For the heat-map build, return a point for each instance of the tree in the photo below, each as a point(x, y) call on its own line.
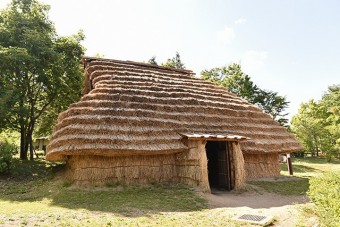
point(241, 85)
point(317, 124)
point(273, 104)
point(174, 62)
point(308, 127)
point(6, 99)
point(331, 104)
point(38, 68)
point(152, 60)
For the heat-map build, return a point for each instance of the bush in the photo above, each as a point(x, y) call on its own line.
point(324, 191)
point(6, 155)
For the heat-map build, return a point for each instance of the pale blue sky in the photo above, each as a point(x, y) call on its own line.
point(291, 46)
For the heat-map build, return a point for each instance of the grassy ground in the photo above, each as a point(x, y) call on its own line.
point(34, 195)
point(309, 167)
point(303, 168)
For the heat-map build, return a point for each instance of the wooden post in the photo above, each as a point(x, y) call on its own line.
point(290, 167)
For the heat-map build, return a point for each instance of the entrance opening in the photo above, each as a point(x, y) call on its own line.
point(220, 169)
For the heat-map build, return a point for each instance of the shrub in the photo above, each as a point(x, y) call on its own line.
point(6, 154)
point(324, 191)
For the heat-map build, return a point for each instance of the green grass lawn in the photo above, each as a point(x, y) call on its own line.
point(303, 168)
point(32, 195)
point(310, 166)
point(35, 195)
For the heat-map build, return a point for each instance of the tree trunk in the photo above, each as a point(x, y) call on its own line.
point(26, 144)
point(23, 151)
point(31, 129)
point(316, 146)
point(29, 140)
point(312, 152)
point(31, 147)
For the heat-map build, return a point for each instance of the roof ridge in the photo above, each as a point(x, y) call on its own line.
point(87, 60)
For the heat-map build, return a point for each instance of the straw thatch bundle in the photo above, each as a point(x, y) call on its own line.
point(123, 169)
point(138, 110)
point(261, 165)
point(240, 174)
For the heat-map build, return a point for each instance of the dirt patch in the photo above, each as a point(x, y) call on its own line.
point(285, 209)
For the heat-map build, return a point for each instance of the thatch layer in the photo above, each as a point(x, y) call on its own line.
point(123, 169)
point(133, 108)
point(261, 165)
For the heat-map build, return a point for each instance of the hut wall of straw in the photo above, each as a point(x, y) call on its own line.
point(192, 165)
point(134, 169)
point(239, 166)
point(189, 167)
point(261, 165)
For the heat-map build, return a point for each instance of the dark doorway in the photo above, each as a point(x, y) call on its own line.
point(220, 171)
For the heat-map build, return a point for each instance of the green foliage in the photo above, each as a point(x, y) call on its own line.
point(331, 105)
point(241, 85)
point(317, 124)
point(274, 104)
point(5, 100)
point(152, 60)
point(174, 62)
point(324, 191)
point(11, 137)
point(234, 79)
point(40, 71)
point(6, 155)
point(98, 55)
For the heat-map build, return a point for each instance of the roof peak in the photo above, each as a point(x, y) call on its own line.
point(87, 60)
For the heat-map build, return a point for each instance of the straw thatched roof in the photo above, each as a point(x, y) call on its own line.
point(137, 108)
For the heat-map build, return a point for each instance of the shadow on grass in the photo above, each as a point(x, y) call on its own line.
point(25, 170)
point(298, 186)
point(147, 199)
point(299, 168)
point(33, 182)
point(26, 178)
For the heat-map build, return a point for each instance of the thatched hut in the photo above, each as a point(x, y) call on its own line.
point(142, 123)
